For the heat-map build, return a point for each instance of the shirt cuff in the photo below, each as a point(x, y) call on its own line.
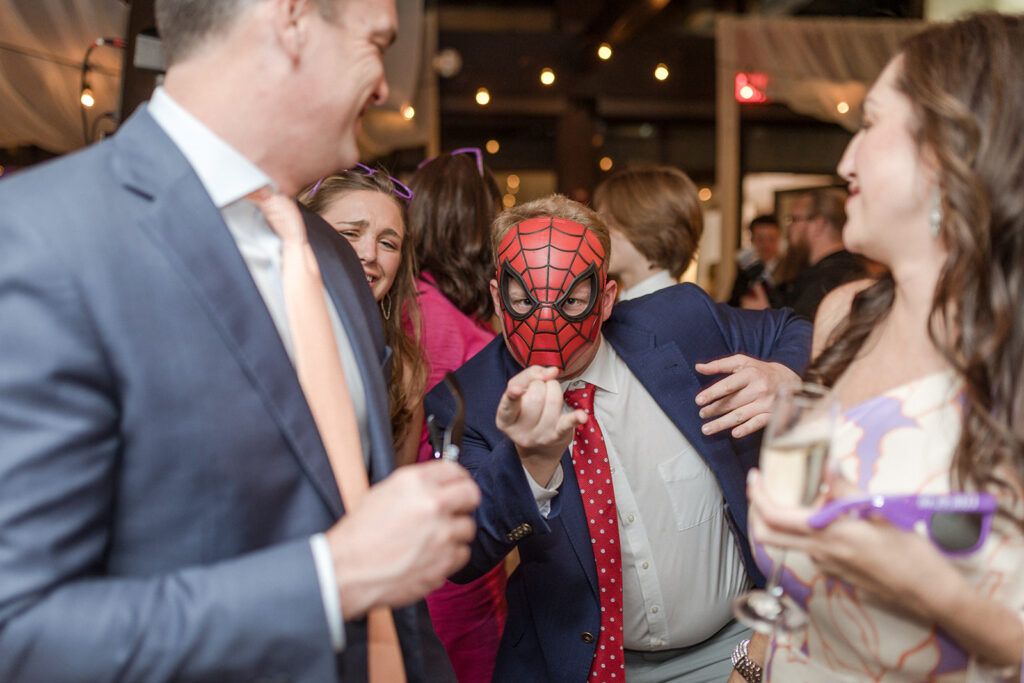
point(544, 494)
point(328, 589)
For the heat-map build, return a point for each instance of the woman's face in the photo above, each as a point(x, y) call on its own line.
point(372, 222)
point(892, 187)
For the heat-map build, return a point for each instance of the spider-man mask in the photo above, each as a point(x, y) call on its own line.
point(550, 278)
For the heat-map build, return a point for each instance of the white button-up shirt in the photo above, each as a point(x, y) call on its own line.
point(681, 566)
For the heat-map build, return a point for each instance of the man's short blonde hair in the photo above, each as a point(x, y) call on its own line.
point(556, 206)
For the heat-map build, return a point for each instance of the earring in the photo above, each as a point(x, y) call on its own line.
point(935, 217)
point(386, 312)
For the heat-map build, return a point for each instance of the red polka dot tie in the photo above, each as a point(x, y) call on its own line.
point(590, 458)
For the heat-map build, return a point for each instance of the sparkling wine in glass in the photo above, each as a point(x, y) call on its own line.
point(794, 454)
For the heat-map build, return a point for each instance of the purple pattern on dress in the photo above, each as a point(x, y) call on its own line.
point(876, 417)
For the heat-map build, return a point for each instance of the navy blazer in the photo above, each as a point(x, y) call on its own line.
point(553, 595)
point(160, 471)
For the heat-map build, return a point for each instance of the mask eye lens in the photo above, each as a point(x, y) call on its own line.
point(956, 531)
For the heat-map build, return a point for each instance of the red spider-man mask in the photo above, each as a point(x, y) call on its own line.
point(550, 278)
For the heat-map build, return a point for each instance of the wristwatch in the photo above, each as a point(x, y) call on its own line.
point(750, 671)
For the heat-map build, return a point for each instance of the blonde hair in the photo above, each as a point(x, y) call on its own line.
point(556, 206)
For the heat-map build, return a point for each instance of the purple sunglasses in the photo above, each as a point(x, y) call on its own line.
point(401, 189)
point(958, 523)
point(475, 151)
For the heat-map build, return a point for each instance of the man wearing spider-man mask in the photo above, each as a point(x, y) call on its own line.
point(676, 385)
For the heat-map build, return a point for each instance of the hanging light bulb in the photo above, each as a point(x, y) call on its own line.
point(86, 98)
point(604, 51)
point(483, 96)
point(547, 76)
point(661, 71)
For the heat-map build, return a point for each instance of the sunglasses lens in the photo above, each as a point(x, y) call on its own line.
point(956, 531)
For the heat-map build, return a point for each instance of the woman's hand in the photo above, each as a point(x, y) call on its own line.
point(901, 568)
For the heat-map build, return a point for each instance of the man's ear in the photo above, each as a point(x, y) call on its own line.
point(611, 288)
point(290, 24)
point(495, 297)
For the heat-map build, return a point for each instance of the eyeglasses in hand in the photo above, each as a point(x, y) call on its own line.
point(958, 523)
point(447, 444)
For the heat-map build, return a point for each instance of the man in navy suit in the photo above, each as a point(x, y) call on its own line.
point(678, 480)
point(167, 509)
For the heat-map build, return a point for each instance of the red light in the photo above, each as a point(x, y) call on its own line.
point(751, 88)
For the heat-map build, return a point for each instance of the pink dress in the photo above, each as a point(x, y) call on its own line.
point(899, 442)
point(468, 619)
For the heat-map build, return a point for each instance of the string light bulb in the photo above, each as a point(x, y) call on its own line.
point(87, 98)
point(492, 146)
point(604, 51)
point(408, 112)
point(547, 76)
point(661, 71)
point(842, 107)
point(483, 96)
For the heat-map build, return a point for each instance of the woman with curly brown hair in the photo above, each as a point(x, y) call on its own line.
point(368, 208)
point(927, 363)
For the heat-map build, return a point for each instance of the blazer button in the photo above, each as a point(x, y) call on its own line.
point(587, 637)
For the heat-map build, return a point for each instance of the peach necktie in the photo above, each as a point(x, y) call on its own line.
point(322, 378)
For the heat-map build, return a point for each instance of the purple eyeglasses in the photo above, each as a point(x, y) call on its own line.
point(475, 151)
point(958, 523)
point(401, 189)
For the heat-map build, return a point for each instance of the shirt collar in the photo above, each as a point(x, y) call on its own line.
point(226, 175)
point(600, 372)
point(652, 284)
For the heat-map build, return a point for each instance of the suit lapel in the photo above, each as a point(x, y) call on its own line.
point(189, 230)
point(668, 375)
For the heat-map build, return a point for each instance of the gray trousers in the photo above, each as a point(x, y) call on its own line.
point(706, 662)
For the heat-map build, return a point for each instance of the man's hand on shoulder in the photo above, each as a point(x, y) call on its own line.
point(743, 400)
point(530, 415)
point(408, 534)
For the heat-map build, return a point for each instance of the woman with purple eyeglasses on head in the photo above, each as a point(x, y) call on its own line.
point(450, 216)
point(368, 208)
point(913, 570)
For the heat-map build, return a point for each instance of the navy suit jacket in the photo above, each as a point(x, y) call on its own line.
point(553, 595)
point(160, 471)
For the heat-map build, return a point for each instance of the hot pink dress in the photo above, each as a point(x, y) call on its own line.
point(468, 619)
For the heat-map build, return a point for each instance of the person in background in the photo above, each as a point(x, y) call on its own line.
point(759, 265)
point(815, 226)
point(367, 207)
point(655, 219)
point(927, 365)
point(678, 484)
point(455, 200)
point(170, 497)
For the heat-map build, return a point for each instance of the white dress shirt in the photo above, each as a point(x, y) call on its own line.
point(228, 178)
point(681, 566)
point(649, 285)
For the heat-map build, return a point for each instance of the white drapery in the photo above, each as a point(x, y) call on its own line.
point(814, 64)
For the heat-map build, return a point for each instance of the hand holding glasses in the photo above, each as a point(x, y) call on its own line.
point(958, 523)
point(447, 444)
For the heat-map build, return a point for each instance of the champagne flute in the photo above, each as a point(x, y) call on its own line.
point(793, 459)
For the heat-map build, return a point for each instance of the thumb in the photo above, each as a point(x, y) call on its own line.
point(568, 422)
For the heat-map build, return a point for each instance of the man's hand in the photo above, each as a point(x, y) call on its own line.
point(530, 414)
point(408, 534)
point(743, 400)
